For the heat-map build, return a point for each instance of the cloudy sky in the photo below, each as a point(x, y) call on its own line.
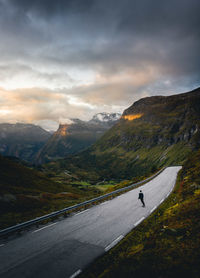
point(73, 58)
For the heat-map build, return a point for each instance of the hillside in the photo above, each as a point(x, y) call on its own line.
point(22, 140)
point(153, 132)
point(167, 243)
point(26, 193)
point(76, 136)
point(20, 191)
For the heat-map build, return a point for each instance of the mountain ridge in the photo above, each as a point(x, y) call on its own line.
point(22, 140)
point(71, 138)
point(165, 130)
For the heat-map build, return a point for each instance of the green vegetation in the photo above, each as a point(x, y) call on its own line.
point(167, 243)
point(27, 193)
point(166, 133)
point(118, 164)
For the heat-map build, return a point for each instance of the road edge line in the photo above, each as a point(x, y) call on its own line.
point(44, 227)
point(113, 243)
point(139, 221)
point(81, 212)
point(76, 273)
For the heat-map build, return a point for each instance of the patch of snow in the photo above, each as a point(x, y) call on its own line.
point(106, 117)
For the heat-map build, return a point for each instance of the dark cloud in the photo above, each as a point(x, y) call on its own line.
point(51, 7)
point(125, 48)
point(156, 17)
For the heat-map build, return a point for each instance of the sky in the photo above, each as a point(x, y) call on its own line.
point(68, 59)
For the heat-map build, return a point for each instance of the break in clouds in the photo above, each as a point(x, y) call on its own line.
point(67, 59)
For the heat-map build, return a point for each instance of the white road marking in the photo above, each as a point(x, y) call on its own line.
point(139, 221)
point(161, 201)
point(76, 273)
point(44, 228)
point(81, 212)
point(153, 209)
point(2, 245)
point(113, 243)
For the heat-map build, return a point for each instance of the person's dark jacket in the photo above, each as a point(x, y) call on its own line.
point(141, 196)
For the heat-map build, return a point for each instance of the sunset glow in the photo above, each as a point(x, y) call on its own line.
point(62, 130)
point(132, 117)
point(74, 59)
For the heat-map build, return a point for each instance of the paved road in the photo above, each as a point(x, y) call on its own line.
point(63, 248)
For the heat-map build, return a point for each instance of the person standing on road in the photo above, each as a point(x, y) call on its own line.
point(141, 197)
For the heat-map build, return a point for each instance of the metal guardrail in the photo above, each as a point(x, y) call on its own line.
point(19, 227)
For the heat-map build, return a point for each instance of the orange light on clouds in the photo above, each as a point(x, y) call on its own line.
point(132, 117)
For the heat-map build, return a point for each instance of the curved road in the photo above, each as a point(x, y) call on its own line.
point(63, 248)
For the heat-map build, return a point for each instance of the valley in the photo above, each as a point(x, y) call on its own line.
point(152, 133)
point(74, 137)
point(99, 139)
point(27, 193)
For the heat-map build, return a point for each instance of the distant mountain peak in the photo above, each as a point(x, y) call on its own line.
point(106, 117)
point(71, 138)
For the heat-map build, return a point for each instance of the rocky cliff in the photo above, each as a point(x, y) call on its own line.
point(75, 137)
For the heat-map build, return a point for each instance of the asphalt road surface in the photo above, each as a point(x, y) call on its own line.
point(64, 248)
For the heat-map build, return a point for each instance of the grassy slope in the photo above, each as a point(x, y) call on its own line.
point(118, 164)
point(165, 245)
point(167, 131)
point(26, 193)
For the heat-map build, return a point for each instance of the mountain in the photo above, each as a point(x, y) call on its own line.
point(76, 136)
point(153, 132)
point(103, 118)
point(22, 140)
